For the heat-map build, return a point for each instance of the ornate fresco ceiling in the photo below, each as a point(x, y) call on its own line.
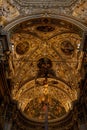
point(45, 67)
point(45, 58)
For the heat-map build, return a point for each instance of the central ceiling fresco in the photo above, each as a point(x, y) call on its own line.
point(45, 66)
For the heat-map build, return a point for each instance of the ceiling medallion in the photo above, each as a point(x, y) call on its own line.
point(67, 48)
point(44, 63)
point(45, 68)
point(45, 28)
point(22, 48)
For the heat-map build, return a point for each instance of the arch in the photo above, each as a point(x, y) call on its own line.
point(61, 17)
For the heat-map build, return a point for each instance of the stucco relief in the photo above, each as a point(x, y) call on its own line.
point(80, 11)
point(8, 12)
point(12, 9)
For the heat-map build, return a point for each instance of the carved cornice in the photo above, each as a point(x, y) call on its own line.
point(45, 2)
point(31, 7)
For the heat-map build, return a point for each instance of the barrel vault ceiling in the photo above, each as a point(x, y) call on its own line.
point(46, 55)
point(46, 59)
